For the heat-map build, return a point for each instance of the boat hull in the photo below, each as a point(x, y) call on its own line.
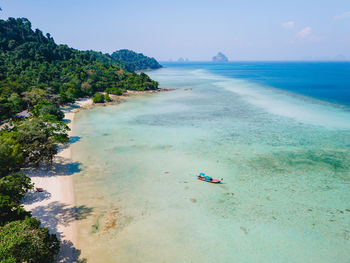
point(214, 181)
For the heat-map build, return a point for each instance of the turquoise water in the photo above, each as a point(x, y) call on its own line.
point(285, 160)
point(328, 81)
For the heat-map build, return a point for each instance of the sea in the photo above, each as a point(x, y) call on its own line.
point(278, 133)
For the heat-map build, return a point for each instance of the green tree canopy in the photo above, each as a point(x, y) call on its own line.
point(15, 186)
point(34, 68)
point(132, 61)
point(11, 210)
point(98, 98)
point(26, 241)
point(45, 107)
point(107, 97)
point(11, 153)
point(12, 190)
point(39, 139)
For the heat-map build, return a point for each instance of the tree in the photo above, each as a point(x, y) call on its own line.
point(44, 107)
point(11, 210)
point(26, 241)
point(98, 98)
point(12, 190)
point(52, 110)
point(16, 102)
point(32, 97)
point(115, 91)
point(15, 186)
point(5, 109)
point(11, 153)
point(39, 139)
point(107, 97)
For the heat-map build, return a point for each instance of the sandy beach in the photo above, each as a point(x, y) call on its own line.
point(54, 207)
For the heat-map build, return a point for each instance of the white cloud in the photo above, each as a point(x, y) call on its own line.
point(343, 15)
point(305, 32)
point(288, 25)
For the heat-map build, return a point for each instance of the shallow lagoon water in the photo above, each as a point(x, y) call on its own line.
point(285, 196)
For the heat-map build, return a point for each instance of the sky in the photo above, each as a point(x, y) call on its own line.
point(197, 30)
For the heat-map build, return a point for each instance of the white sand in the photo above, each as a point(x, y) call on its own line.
point(54, 207)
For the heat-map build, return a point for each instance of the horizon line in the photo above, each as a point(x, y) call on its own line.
point(287, 60)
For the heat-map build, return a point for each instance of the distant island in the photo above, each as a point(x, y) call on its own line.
point(183, 59)
point(132, 61)
point(220, 57)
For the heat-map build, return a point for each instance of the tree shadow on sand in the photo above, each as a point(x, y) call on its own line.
point(71, 107)
point(72, 139)
point(69, 254)
point(59, 214)
point(60, 167)
point(34, 196)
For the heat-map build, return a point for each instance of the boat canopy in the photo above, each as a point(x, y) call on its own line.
point(202, 174)
point(208, 177)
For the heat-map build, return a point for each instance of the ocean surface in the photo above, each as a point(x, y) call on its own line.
point(277, 133)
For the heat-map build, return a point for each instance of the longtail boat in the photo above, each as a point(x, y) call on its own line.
point(208, 179)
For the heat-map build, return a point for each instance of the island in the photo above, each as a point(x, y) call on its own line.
point(181, 60)
point(220, 57)
point(132, 61)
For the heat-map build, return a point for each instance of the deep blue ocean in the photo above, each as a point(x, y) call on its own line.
point(328, 81)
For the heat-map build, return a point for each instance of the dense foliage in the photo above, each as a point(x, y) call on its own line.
point(107, 97)
point(11, 153)
point(39, 139)
point(33, 68)
point(12, 189)
point(132, 61)
point(30, 142)
point(48, 109)
point(98, 98)
point(26, 241)
point(15, 186)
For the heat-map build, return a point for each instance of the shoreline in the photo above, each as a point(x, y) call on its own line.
point(55, 206)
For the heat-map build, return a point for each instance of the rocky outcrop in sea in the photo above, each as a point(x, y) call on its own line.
point(220, 57)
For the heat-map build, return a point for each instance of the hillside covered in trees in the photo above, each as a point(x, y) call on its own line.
point(33, 67)
point(38, 75)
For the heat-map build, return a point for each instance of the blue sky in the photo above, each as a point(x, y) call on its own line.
point(241, 29)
